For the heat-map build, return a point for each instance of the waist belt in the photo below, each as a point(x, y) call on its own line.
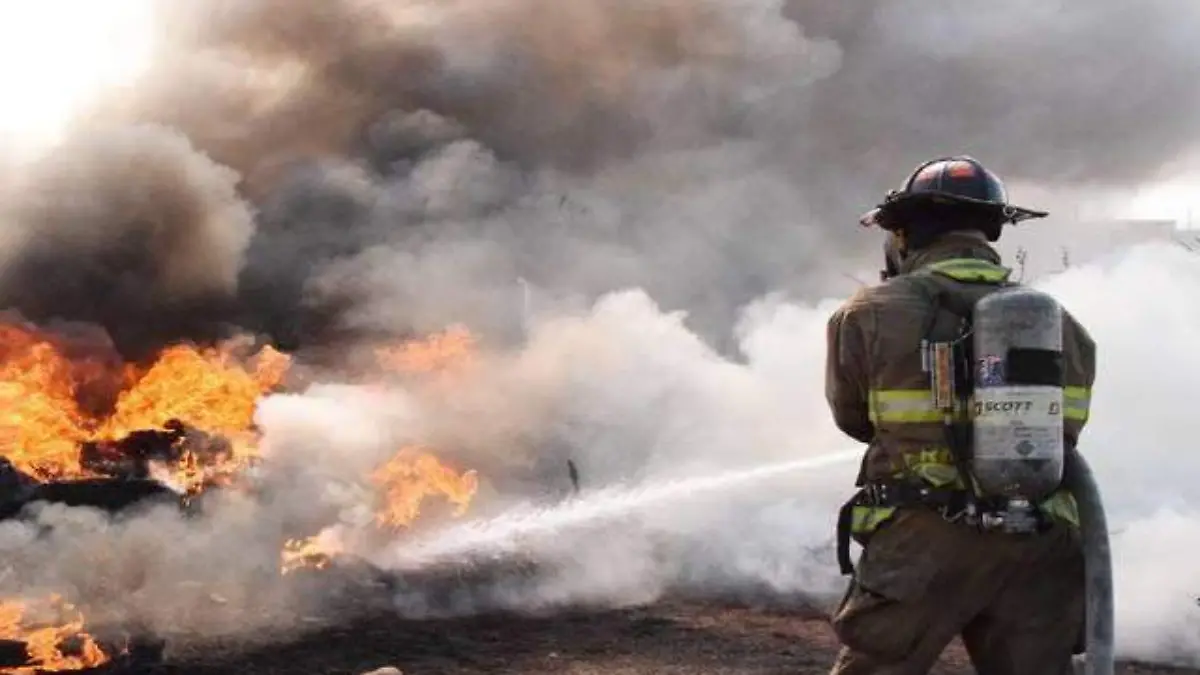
point(955, 505)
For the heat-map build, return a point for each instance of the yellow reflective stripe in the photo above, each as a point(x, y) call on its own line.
point(933, 455)
point(1077, 402)
point(1061, 506)
point(865, 519)
point(937, 475)
point(970, 269)
point(915, 406)
point(933, 465)
point(902, 406)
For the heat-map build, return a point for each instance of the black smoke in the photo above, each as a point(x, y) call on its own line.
point(410, 164)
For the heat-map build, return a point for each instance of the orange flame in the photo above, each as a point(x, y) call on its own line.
point(208, 389)
point(314, 552)
point(212, 390)
point(448, 351)
point(204, 388)
point(40, 421)
point(42, 424)
point(44, 643)
point(406, 480)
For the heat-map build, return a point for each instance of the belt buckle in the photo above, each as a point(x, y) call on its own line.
point(1020, 517)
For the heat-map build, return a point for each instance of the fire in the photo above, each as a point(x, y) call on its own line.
point(406, 480)
point(447, 351)
point(42, 425)
point(315, 552)
point(414, 474)
point(45, 641)
point(207, 389)
point(188, 418)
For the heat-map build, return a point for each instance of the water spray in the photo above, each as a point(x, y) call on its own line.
point(505, 533)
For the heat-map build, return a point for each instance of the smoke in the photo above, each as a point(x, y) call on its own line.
point(1045, 91)
point(412, 164)
point(638, 401)
point(645, 208)
point(133, 229)
point(214, 573)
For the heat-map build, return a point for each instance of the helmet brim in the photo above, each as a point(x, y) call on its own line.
point(1007, 213)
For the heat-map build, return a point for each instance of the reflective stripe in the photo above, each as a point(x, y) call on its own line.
point(915, 406)
point(933, 465)
point(1061, 506)
point(1077, 402)
point(866, 519)
point(971, 270)
point(902, 406)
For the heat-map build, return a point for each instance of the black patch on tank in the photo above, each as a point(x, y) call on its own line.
point(1034, 367)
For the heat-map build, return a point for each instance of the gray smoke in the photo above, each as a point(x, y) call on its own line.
point(1065, 94)
point(132, 228)
point(323, 169)
point(412, 161)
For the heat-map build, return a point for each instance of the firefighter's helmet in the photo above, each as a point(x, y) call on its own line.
point(960, 184)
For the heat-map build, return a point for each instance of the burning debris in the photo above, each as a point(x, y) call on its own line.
point(198, 459)
point(448, 351)
point(80, 427)
point(315, 553)
point(166, 414)
point(45, 636)
point(414, 474)
point(404, 483)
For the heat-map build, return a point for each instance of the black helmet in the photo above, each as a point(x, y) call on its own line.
point(958, 183)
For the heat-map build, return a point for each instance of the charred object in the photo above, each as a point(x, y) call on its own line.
point(133, 456)
point(124, 487)
point(125, 469)
point(132, 655)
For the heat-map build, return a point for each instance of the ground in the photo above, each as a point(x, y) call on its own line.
point(670, 638)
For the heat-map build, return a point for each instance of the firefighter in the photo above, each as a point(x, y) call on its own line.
point(932, 566)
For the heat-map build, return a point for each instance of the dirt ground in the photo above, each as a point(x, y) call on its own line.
point(671, 638)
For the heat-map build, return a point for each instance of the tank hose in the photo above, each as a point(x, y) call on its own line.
point(1097, 559)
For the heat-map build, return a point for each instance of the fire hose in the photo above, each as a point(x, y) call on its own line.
point(1097, 559)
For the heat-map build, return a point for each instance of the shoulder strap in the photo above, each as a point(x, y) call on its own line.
point(952, 321)
point(971, 271)
point(960, 305)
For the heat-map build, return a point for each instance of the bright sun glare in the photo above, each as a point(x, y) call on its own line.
point(55, 55)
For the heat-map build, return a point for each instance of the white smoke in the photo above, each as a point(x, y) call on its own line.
point(1139, 308)
point(635, 399)
point(722, 148)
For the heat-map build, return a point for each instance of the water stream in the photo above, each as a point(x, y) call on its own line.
point(513, 530)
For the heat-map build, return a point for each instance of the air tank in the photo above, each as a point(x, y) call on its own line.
point(1017, 426)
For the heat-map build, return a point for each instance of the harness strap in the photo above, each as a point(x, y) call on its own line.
point(950, 502)
point(845, 522)
point(953, 504)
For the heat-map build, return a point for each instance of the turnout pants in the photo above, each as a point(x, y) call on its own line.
point(1017, 601)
